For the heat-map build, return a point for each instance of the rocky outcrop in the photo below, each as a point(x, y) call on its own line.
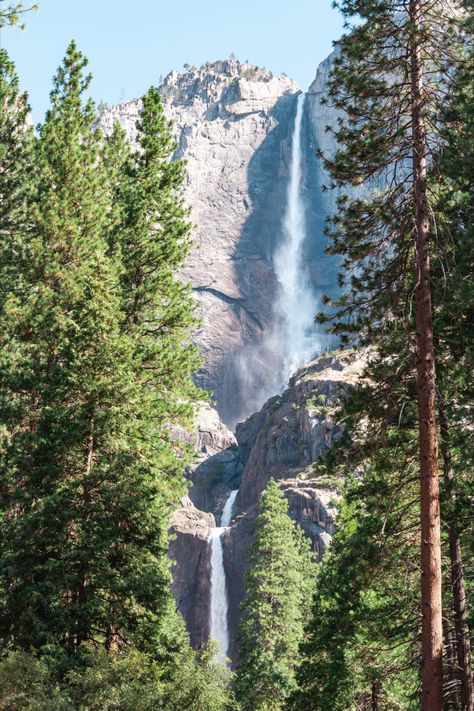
point(189, 551)
point(285, 440)
point(217, 467)
point(296, 428)
point(314, 507)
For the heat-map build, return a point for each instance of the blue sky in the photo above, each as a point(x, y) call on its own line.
point(130, 43)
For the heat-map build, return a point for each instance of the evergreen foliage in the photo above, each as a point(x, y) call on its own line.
point(368, 653)
point(278, 594)
point(14, 12)
point(454, 325)
point(152, 238)
point(88, 394)
point(128, 681)
point(17, 174)
point(361, 647)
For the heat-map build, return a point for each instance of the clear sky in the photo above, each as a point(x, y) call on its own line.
point(130, 43)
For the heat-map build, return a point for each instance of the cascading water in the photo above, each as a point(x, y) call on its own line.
point(296, 305)
point(293, 339)
point(219, 603)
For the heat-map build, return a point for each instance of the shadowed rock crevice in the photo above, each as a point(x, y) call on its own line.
point(237, 303)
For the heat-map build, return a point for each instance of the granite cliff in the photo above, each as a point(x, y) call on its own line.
point(233, 124)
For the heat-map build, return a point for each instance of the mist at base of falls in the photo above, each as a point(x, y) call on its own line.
point(293, 339)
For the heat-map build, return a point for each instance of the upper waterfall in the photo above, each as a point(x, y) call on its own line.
point(254, 183)
point(296, 304)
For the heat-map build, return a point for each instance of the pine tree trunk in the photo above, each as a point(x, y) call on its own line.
point(375, 696)
point(113, 639)
point(451, 677)
point(463, 642)
point(432, 629)
point(83, 588)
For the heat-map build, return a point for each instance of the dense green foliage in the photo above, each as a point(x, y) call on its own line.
point(363, 645)
point(130, 681)
point(80, 459)
point(362, 641)
point(276, 605)
point(96, 365)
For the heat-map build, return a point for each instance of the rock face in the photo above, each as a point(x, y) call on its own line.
point(284, 440)
point(233, 123)
point(218, 466)
point(295, 428)
point(191, 570)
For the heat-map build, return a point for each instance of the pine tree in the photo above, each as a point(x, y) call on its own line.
point(454, 325)
point(389, 78)
point(152, 237)
point(278, 593)
point(13, 13)
point(17, 174)
point(360, 649)
point(88, 395)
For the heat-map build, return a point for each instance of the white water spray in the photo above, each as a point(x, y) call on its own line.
point(219, 601)
point(296, 305)
point(293, 339)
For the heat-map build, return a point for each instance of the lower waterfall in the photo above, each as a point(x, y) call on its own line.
point(219, 630)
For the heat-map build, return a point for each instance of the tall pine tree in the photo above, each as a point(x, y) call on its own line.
point(89, 392)
point(389, 78)
point(454, 328)
point(152, 239)
point(17, 175)
point(278, 597)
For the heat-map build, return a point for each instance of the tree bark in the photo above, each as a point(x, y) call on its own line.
point(82, 592)
point(463, 642)
point(452, 684)
point(432, 626)
point(375, 696)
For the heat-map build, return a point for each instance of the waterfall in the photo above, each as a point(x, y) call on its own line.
point(219, 603)
point(296, 304)
point(293, 339)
